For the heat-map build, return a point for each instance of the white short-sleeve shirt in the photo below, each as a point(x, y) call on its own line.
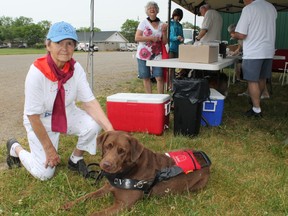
point(40, 92)
point(149, 50)
point(258, 22)
point(212, 22)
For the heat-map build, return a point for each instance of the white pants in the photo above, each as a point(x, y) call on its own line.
point(79, 124)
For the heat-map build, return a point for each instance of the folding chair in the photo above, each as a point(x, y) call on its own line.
point(284, 75)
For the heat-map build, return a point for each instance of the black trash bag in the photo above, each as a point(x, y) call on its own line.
point(188, 100)
point(196, 90)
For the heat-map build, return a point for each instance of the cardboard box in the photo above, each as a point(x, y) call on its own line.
point(198, 54)
point(212, 110)
point(139, 112)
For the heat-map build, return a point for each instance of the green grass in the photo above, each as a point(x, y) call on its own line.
point(21, 51)
point(249, 174)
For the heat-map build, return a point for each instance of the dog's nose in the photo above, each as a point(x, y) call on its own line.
point(106, 165)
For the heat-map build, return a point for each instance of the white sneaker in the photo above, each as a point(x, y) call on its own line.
point(244, 94)
point(265, 97)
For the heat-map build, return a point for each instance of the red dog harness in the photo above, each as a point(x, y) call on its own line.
point(185, 159)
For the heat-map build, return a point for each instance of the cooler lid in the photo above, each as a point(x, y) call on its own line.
point(139, 98)
point(215, 95)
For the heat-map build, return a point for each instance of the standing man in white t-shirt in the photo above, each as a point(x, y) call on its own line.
point(257, 28)
point(211, 26)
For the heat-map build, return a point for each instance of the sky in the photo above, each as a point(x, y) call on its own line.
point(108, 15)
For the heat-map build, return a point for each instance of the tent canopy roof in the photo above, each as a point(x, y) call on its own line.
point(227, 6)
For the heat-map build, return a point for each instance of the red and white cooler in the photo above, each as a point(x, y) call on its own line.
point(139, 112)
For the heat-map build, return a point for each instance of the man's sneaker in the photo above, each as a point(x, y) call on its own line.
point(12, 161)
point(245, 93)
point(251, 113)
point(80, 167)
point(265, 96)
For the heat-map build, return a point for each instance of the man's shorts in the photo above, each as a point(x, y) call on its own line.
point(145, 71)
point(255, 69)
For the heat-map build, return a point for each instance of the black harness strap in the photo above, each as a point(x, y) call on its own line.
point(165, 174)
point(192, 159)
point(144, 185)
point(95, 173)
point(131, 184)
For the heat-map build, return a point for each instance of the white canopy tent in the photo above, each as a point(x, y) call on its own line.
point(227, 6)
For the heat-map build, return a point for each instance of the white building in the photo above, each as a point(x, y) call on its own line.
point(105, 40)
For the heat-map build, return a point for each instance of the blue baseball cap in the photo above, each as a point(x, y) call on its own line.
point(60, 31)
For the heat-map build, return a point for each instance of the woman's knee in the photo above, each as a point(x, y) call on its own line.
point(159, 79)
point(35, 165)
point(43, 174)
point(92, 129)
point(95, 127)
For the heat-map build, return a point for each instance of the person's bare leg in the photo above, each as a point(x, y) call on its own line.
point(78, 153)
point(147, 85)
point(265, 92)
point(254, 92)
point(171, 77)
point(262, 85)
point(160, 85)
point(238, 71)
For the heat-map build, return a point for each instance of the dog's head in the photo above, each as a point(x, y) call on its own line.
point(119, 151)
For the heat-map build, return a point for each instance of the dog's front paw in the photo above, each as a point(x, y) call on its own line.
point(67, 205)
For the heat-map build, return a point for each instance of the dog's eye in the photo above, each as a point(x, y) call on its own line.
point(109, 146)
point(121, 151)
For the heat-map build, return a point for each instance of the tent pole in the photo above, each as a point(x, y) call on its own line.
point(194, 33)
point(91, 45)
point(168, 21)
point(168, 42)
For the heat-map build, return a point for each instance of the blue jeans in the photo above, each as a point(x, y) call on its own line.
point(146, 72)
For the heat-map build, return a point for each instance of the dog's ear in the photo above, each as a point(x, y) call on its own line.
point(136, 149)
point(101, 139)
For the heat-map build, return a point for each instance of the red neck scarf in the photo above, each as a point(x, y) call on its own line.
point(52, 72)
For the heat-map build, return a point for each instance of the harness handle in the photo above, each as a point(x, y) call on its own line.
point(95, 174)
point(205, 157)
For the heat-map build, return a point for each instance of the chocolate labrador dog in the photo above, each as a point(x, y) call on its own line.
point(133, 170)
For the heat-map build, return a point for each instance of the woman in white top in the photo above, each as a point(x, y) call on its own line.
point(53, 85)
point(150, 35)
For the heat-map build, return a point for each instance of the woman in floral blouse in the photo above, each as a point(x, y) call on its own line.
point(150, 35)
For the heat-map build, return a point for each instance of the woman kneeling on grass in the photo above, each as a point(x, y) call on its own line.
point(53, 84)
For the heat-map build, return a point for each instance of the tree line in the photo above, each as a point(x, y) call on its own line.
point(22, 30)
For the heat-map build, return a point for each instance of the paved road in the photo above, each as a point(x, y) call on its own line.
point(110, 70)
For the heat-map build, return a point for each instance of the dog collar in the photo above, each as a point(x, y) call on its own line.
point(143, 185)
point(130, 184)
